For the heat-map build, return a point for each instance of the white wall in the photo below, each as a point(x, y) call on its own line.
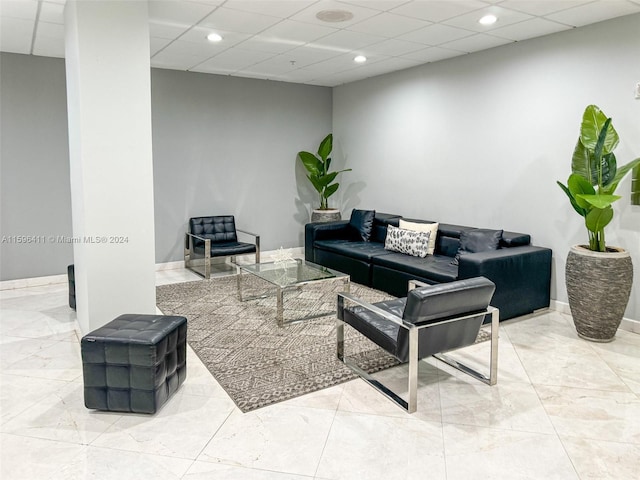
point(481, 140)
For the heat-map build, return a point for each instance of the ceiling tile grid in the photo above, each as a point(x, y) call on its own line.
point(284, 40)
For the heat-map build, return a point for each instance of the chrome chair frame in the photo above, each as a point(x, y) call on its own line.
point(190, 263)
point(412, 404)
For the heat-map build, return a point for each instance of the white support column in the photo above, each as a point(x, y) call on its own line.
point(109, 110)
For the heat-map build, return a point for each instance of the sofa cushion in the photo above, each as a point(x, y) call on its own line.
point(435, 267)
point(478, 240)
point(407, 241)
point(358, 250)
point(380, 223)
point(361, 223)
point(421, 226)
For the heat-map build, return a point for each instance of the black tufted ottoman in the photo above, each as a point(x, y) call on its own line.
point(134, 363)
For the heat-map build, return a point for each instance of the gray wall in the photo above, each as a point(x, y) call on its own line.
point(34, 166)
point(481, 140)
point(224, 145)
point(221, 145)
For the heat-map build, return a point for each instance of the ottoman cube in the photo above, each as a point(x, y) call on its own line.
point(134, 363)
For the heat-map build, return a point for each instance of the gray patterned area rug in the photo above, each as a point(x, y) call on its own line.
point(254, 360)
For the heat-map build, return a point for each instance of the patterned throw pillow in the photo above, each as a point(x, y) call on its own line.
point(407, 241)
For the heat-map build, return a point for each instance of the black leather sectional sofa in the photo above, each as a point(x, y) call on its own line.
point(520, 271)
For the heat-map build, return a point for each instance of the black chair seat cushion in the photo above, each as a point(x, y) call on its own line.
point(358, 250)
point(375, 327)
point(435, 267)
point(222, 249)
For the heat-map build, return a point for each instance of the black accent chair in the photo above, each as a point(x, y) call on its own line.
point(217, 236)
point(432, 319)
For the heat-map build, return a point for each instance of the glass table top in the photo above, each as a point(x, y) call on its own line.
point(291, 272)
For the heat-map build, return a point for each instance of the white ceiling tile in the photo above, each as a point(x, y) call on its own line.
point(16, 34)
point(297, 31)
point(199, 34)
point(505, 17)
point(529, 29)
point(235, 59)
point(309, 14)
point(393, 47)
point(52, 12)
point(432, 54)
point(388, 25)
point(301, 75)
point(541, 7)
point(345, 41)
point(23, 9)
point(237, 21)
point(335, 64)
point(165, 29)
point(260, 43)
point(477, 42)
point(273, 66)
point(274, 8)
point(50, 30)
point(382, 5)
point(437, 11)
point(435, 35)
point(49, 41)
point(198, 51)
point(205, 2)
point(595, 12)
point(389, 65)
point(157, 44)
point(178, 12)
point(309, 54)
point(173, 56)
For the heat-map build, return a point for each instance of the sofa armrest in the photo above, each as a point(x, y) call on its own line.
point(522, 273)
point(323, 231)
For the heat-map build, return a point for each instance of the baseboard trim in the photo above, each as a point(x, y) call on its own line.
point(57, 279)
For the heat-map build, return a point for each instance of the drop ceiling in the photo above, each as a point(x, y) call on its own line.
point(283, 40)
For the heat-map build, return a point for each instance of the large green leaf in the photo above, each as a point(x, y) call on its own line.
point(578, 185)
point(325, 147)
point(583, 163)
point(598, 201)
point(315, 182)
point(598, 218)
point(311, 162)
point(609, 169)
point(325, 180)
point(620, 174)
point(581, 211)
point(330, 190)
point(593, 121)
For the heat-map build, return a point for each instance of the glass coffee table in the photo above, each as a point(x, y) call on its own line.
point(289, 275)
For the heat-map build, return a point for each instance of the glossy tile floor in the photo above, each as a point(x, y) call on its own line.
point(563, 408)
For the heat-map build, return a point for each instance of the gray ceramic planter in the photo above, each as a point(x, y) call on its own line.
point(330, 215)
point(598, 286)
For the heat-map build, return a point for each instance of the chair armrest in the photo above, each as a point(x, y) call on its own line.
point(193, 235)
point(372, 308)
point(323, 231)
point(248, 233)
point(413, 283)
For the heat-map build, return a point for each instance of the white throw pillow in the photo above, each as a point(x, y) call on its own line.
point(407, 241)
point(432, 228)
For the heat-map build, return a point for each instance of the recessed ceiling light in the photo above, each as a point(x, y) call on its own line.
point(334, 16)
point(214, 37)
point(488, 20)
point(360, 59)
